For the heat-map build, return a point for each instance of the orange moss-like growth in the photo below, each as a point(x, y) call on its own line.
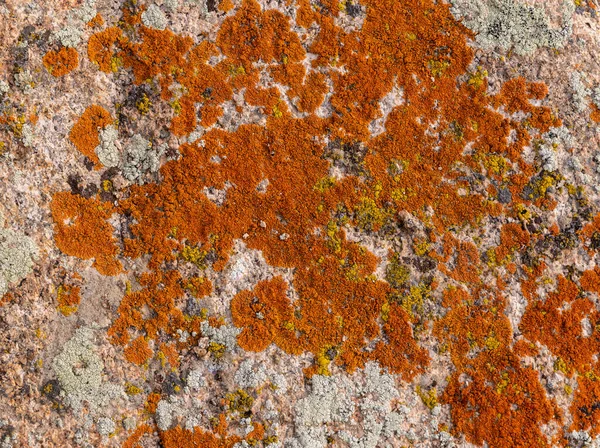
point(59, 63)
point(502, 404)
point(68, 297)
point(138, 351)
point(585, 408)
point(265, 314)
point(556, 323)
point(84, 134)
point(178, 437)
point(102, 48)
point(81, 229)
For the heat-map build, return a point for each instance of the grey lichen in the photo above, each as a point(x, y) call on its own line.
point(24, 81)
point(107, 151)
point(552, 140)
point(17, 255)
point(140, 158)
point(69, 36)
point(153, 17)
point(79, 371)
point(4, 87)
point(336, 399)
point(167, 410)
point(27, 135)
point(509, 24)
point(580, 92)
point(250, 375)
point(105, 426)
point(224, 335)
point(195, 380)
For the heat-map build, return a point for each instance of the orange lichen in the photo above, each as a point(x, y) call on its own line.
point(585, 408)
point(512, 238)
point(442, 157)
point(502, 403)
point(82, 230)
point(265, 314)
point(84, 133)
point(102, 48)
point(138, 352)
point(133, 441)
point(178, 437)
point(96, 22)
point(6, 299)
point(59, 63)
point(556, 323)
point(595, 113)
point(68, 297)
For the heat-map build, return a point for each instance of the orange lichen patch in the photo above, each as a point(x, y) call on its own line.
point(152, 402)
point(178, 437)
point(170, 354)
point(400, 353)
point(102, 48)
point(160, 52)
point(556, 322)
point(68, 297)
point(226, 5)
point(84, 133)
point(590, 235)
point(59, 63)
point(96, 22)
point(494, 400)
point(590, 280)
point(138, 352)
point(595, 113)
point(585, 408)
point(133, 441)
point(441, 157)
point(199, 286)
point(81, 229)
point(6, 298)
point(265, 314)
point(514, 95)
point(466, 263)
point(153, 309)
point(512, 238)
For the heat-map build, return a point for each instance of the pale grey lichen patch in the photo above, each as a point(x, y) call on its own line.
point(27, 135)
point(552, 141)
point(580, 92)
point(129, 423)
point(335, 399)
point(195, 380)
point(224, 335)
point(79, 370)
point(250, 375)
point(141, 158)
point(4, 87)
point(105, 426)
point(595, 96)
point(510, 24)
point(24, 81)
point(107, 151)
point(69, 36)
point(172, 5)
point(329, 401)
point(168, 410)
point(17, 255)
point(153, 17)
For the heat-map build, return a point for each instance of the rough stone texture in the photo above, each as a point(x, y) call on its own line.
point(275, 279)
